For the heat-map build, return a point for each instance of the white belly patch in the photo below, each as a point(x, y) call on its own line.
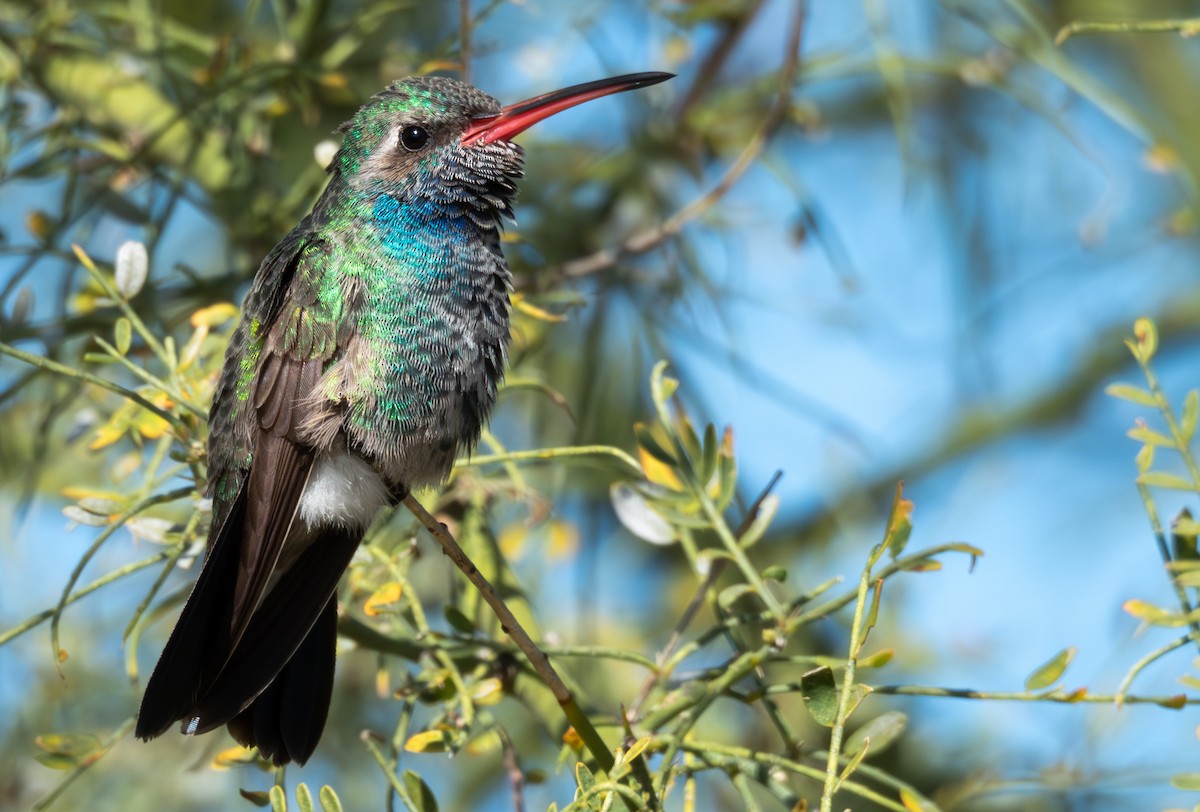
point(343, 490)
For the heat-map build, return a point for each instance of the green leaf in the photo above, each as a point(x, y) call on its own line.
point(65, 751)
point(762, 521)
point(123, 335)
point(1145, 458)
point(1188, 782)
point(1191, 410)
point(1050, 671)
point(429, 741)
point(330, 802)
point(712, 449)
point(304, 798)
point(1161, 479)
point(662, 388)
point(1144, 434)
point(647, 440)
point(1145, 335)
point(1155, 615)
point(584, 778)
point(775, 573)
point(880, 732)
point(1131, 393)
point(730, 594)
point(419, 791)
point(278, 799)
point(819, 692)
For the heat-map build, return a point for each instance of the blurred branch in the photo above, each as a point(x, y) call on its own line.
point(1173, 702)
point(1186, 27)
point(732, 29)
point(648, 240)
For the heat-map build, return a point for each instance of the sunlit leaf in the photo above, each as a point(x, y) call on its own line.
point(303, 798)
point(330, 802)
point(522, 305)
point(1154, 615)
point(1145, 333)
point(488, 691)
point(122, 335)
point(648, 442)
point(1144, 434)
point(233, 757)
point(429, 741)
point(1050, 671)
point(657, 471)
point(1162, 479)
point(383, 597)
point(1131, 393)
point(214, 315)
point(877, 659)
point(1191, 410)
point(65, 751)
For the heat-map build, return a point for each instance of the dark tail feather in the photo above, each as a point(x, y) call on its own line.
point(200, 642)
point(287, 719)
point(278, 628)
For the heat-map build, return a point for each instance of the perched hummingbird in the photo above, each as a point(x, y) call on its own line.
point(370, 349)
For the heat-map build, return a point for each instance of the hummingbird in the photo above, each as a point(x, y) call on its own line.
point(369, 352)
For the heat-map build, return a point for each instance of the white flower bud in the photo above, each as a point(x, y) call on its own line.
point(131, 268)
point(324, 151)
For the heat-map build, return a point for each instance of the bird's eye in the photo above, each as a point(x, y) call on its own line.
point(413, 137)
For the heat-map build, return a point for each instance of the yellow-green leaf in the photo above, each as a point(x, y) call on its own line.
point(1152, 614)
point(1133, 394)
point(1144, 434)
point(1145, 333)
point(1050, 671)
point(278, 799)
point(428, 741)
point(304, 798)
point(1191, 410)
point(214, 315)
point(123, 335)
point(1188, 782)
point(488, 691)
point(330, 802)
point(1161, 479)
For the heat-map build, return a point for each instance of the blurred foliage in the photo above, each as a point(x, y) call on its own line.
point(161, 121)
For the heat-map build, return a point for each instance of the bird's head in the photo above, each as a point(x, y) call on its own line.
point(450, 143)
